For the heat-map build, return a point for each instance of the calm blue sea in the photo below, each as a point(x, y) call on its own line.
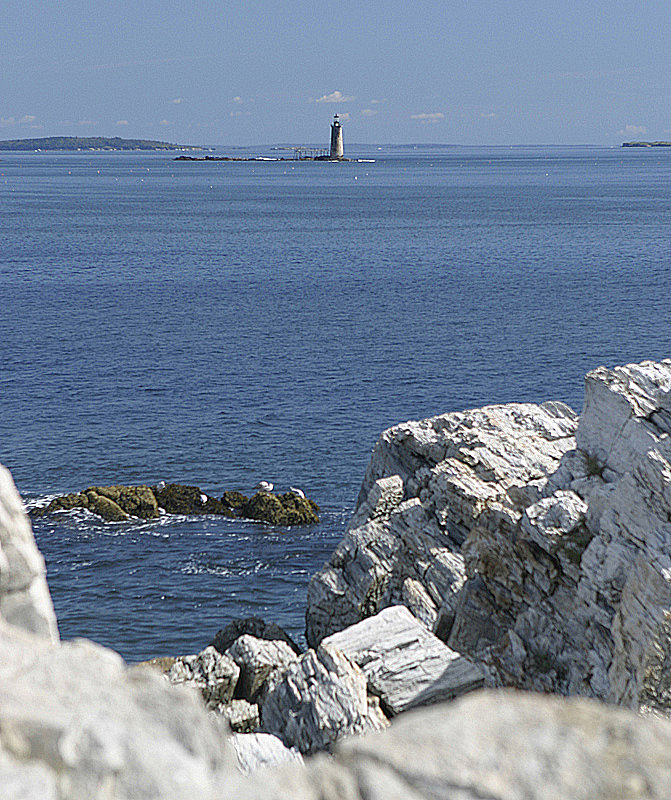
point(220, 323)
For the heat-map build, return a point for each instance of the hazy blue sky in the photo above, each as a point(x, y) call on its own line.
point(483, 71)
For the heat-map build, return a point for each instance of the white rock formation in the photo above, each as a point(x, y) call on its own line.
point(214, 674)
point(75, 724)
point(426, 484)
point(319, 699)
point(405, 665)
point(258, 660)
point(24, 595)
point(566, 542)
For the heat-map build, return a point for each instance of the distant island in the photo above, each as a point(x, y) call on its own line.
point(646, 144)
point(90, 143)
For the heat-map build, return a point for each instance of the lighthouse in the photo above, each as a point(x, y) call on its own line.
point(337, 148)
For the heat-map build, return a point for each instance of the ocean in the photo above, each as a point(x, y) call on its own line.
point(225, 322)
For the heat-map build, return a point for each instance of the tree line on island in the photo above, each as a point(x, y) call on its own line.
point(90, 143)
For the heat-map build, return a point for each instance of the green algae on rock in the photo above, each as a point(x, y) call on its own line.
point(119, 503)
point(283, 509)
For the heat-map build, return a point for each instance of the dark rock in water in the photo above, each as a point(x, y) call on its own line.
point(234, 499)
point(117, 503)
point(254, 627)
point(112, 503)
point(178, 499)
point(283, 509)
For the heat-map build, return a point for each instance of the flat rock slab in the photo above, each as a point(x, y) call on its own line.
point(405, 665)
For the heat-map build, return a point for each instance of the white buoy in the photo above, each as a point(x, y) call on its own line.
point(298, 492)
point(263, 486)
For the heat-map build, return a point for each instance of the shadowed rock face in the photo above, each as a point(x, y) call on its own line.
point(253, 626)
point(178, 499)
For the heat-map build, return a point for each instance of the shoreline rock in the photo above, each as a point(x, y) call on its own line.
point(120, 503)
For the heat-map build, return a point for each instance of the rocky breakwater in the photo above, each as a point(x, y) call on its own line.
point(533, 542)
point(119, 503)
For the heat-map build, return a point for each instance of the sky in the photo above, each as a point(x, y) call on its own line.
point(497, 72)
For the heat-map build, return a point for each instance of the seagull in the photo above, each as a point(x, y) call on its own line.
point(160, 485)
point(203, 499)
point(263, 486)
point(298, 492)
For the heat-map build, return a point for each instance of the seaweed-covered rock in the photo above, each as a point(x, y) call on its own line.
point(234, 499)
point(176, 498)
point(112, 503)
point(283, 509)
point(255, 627)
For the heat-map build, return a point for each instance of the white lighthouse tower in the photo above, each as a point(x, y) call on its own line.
point(337, 147)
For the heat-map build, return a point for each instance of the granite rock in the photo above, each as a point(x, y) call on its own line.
point(319, 699)
point(243, 717)
point(258, 660)
point(256, 751)
point(495, 745)
point(214, 674)
point(405, 665)
point(426, 485)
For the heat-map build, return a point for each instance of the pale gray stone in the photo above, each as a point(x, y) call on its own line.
point(24, 595)
point(404, 664)
point(256, 751)
point(214, 674)
point(448, 469)
point(494, 745)
point(73, 716)
point(319, 699)
point(243, 717)
point(258, 660)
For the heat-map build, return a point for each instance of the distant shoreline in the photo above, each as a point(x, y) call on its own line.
point(90, 143)
point(646, 144)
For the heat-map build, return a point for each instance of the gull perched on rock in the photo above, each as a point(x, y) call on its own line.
point(298, 492)
point(263, 486)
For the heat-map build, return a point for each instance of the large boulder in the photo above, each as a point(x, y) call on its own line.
point(77, 725)
point(426, 485)
point(258, 660)
point(319, 699)
point(405, 665)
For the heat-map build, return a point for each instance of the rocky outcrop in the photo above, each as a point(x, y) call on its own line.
point(319, 699)
point(260, 750)
point(562, 531)
point(426, 484)
point(575, 587)
point(254, 626)
point(24, 595)
point(119, 503)
point(112, 503)
point(404, 664)
point(214, 674)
